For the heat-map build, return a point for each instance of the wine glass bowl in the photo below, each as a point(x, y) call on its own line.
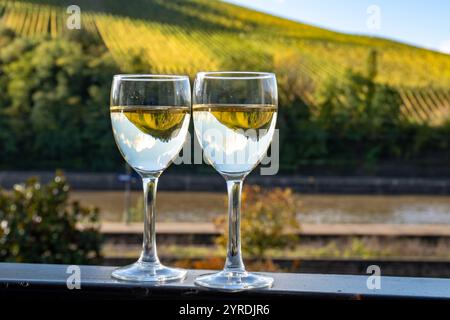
point(150, 119)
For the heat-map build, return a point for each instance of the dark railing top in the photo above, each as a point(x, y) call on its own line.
point(44, 280)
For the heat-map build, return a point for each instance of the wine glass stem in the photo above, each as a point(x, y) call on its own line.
point(234, 258)
point(149, 253)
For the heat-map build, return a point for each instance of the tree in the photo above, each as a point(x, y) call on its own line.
point(359, 114)
point(54, 95)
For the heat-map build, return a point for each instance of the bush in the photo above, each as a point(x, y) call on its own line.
point(269, 220)
point(38, 224)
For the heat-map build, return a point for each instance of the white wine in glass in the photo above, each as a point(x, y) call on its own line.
point(149, 137)
point(234, 119)
point(234, 138)
point(150, 117)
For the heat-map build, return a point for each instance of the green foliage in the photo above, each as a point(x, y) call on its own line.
point(39, 224)
point(357, 113)
point(357, 248)
point(54, 104)
point(268, 220)
point(355, 121)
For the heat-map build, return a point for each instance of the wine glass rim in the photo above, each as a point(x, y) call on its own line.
point(150, 77)
point(233, 75)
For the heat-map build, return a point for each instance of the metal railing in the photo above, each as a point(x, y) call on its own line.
point(63, 281)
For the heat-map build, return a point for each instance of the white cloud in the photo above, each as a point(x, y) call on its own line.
point(444, 46)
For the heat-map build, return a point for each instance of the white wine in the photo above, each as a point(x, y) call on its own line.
point(149, 137)
point(234, 138)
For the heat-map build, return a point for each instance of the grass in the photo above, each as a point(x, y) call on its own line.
point(350, 248)
point(187, 36)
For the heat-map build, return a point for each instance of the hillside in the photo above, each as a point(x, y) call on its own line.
point(188, 36)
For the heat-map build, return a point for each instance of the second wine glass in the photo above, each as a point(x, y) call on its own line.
point(150, 119)
point(234, 118)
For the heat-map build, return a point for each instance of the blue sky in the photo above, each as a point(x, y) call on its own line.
point(419, 22)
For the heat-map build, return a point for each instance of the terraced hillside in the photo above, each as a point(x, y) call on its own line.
point(186, 36)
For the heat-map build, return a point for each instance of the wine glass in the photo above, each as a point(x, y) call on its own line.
point(150, 119)
point(234, 119)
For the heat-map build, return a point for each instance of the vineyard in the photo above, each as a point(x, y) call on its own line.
point(188, 36)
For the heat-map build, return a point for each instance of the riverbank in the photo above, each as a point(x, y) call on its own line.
point(213, 182)
point(414, 250)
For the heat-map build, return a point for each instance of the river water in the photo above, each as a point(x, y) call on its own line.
point(204, 206)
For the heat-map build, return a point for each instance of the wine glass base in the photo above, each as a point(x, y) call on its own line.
point(148, 272)
point(234, 281)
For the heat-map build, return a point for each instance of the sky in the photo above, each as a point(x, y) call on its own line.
point(418, 22)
